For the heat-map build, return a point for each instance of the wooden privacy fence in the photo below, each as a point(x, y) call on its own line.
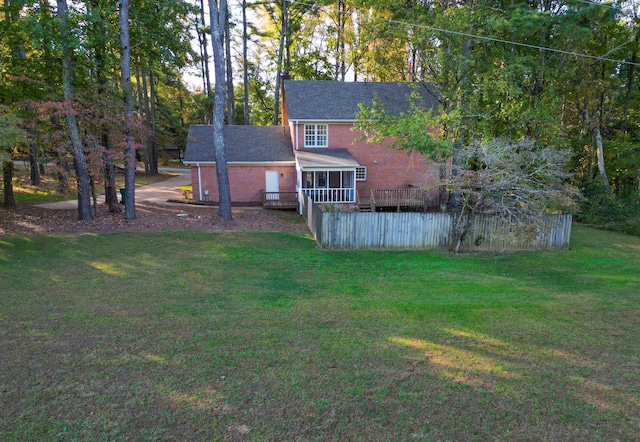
point(425, 231)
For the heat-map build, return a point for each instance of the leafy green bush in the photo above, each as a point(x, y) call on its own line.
point(601, 207)
point(163, 157)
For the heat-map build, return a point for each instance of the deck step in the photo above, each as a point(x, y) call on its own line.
point(365, 208)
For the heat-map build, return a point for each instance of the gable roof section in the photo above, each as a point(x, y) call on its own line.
point(337, 100)
point(244, 144)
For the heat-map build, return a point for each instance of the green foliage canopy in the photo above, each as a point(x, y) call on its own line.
point(417, 129)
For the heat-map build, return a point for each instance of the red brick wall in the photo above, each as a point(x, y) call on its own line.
point(387, 168)
point(246, 182)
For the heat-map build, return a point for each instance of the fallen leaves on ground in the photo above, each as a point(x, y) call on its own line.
point(28, 219)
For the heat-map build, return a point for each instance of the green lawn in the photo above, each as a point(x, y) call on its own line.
point(254, 336)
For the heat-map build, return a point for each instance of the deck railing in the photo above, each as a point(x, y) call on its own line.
point(408, 197)
point(331, 195)
point(280, 200)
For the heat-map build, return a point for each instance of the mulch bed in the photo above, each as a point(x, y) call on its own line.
point(28, 219)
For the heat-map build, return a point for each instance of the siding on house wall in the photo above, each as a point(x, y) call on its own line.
point(246, 182)
point(387, 168)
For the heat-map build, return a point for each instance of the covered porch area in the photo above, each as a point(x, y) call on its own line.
point(327, 176)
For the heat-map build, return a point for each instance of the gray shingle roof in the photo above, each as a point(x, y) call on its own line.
point(336, 100)
point(243, 144)
point(325, 157)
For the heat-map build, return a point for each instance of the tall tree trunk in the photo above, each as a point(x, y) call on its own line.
point(629, 86)
point(544, 42)
point(129, 149)
point(600, 152)
point(108, 169)
point(231, 99)
point(356, 45)
point(109, 173)
point(199, 31)
point(9, 200)
point(144, 155)
point(341, 20)
point(413, 72)
point(32, 137)
point(218, 10)
point(597, 137)
point(34, 164)
point(205, 52)
point(287, 36)
point(147, 113)
point(539, 76)
point(283, 34)
point(153, 151)
point(94, 196)
point(245, 64)
point(12, 10)
point(79, 158)
point(204, 63)
point(62, 174)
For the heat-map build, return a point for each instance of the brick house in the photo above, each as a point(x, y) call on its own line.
point(257, 157)
point(314, 151)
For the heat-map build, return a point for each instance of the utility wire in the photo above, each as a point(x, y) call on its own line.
point(604, 5)
point(482, 37)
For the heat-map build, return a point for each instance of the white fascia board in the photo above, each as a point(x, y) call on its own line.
point(242, 163)
point(197, 163)
point(262, 163)
point(324, 121)
point(321, 168)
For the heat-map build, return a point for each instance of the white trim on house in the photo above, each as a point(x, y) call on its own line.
point(323, 121)
point(199, 182)
point(333, 168)
point(241, 163)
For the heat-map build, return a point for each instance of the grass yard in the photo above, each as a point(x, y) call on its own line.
point(248, 336)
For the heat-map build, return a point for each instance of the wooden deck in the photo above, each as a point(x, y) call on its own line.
point(280, 200)
point(396, 198)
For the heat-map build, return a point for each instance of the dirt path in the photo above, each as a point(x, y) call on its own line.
point(158, 193)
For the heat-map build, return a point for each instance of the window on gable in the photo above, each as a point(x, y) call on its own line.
point(315, 135)
point(361, 173)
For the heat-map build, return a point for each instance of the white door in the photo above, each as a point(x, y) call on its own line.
point(272, 178)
